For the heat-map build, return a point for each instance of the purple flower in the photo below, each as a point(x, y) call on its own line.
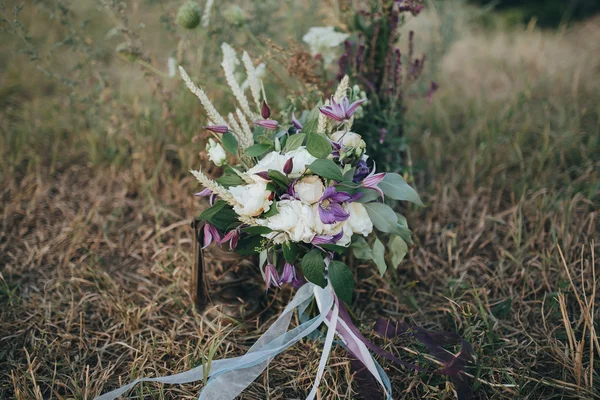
point(207, 192)
point(270, 124)
point(232, 237)
point(265, 111)
point(361, 172)
point(288, 166)
point(372, 180)
point(288, 275)
point(341, 111)
point(327, 239)
point(271, 276)
point(217, 128)
point(296, 123)
point(210, 233)
point(330, 209)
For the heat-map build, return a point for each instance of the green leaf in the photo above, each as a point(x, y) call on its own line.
point(312, 121)
point(342, 280)
point(257, 150)
point(225, 218)
point(326, 169)
point(257, 230)
point(361, 249)
point(379, 256)
point(248, 245)
point(294, 141)
point(272, 211)
point(279, 178)
point(369, 195)
point(318, 145)
point(230, 143)
point(402, 229)
point(289, 252)
point(229, 180)
point(382, 216)
point(349, 173)
point(334, 247)
point(395, 187)
point(313, 267)
point(210, 212)
point(398, 249)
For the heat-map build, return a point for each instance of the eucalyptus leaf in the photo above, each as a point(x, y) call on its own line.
point(379, 256)
point(398, 249)
point(294, 142)
point(230, 143)
point(349, 173)
point(312, 121)
point(272, 211)
point(342, 280)
point(369, 195)
point(313, 267)
point(257, 230)
point(258, 149)
point(210, 212)
point(318, 145)
point(361, 249)
point(229, 180)
point(326, 169)
point(395, 187)
point(279, 178)
point(382, 216)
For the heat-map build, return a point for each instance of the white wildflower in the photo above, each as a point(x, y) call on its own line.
point(324, 41)
point(216, 153)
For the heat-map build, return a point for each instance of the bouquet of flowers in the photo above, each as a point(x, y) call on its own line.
point(302, 194)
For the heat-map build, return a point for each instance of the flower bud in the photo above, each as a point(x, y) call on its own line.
point(188, 15)
point(216, 154)
point(234, 15)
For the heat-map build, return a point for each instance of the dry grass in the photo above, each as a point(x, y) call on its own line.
point(95, 247)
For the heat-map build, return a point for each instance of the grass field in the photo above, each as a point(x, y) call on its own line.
point(96, 201)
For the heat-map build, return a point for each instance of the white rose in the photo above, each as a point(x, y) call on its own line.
point(216, 154)
point(252, 199)
point(347, 236)
point(349, 139)
point(273, 160)
point(295, 220)
point(301, 158)
point(309, 189)
point(359, 221)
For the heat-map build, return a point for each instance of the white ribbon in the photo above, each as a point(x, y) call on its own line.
point(229, 377)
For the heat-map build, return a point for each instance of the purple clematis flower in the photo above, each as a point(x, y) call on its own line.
point(372, 180)
point(330, 209)
point(361, 172)
point(341, 111)
point(269, 124)
point(207, 192)
point(271, 276)
point(288, 275)
point(327, 239)
point(210, 233)
point(217, 128)
point(232, 237)
point(296, 123)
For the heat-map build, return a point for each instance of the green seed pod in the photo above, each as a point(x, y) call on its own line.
point(189, 15)
point(234, 15)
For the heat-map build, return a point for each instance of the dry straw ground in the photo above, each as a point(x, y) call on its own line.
point(95, 241)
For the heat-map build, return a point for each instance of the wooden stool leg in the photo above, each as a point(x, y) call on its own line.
point(199, 288)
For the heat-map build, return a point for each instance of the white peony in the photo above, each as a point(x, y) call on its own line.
point(294, 222)
point(273, 160)
point(301, 158)
point(359, 221)
point(324, 41)
point(309, 189)
point(349, 139)
point(216, 154)
point(252, 199)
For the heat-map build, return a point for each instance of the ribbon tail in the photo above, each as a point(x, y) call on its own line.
point(332, 324)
